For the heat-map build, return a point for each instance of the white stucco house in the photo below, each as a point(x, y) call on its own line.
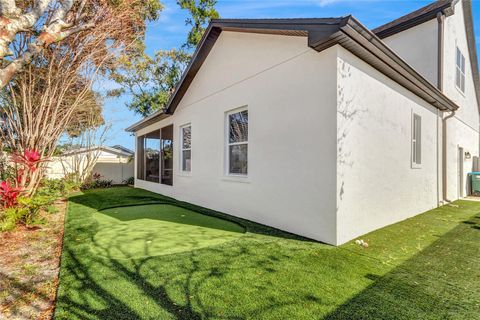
point(111, 163)
point(321, 127)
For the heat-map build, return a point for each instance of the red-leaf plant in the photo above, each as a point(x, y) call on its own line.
point(9, 193)
point(30, 159)
point(26, 164)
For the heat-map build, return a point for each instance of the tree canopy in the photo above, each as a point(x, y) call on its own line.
point(151, 80)
point(52, 52)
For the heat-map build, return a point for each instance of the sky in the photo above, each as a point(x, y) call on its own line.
point(170, 31)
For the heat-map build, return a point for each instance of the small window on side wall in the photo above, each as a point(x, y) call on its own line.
point(237, 142)
point(460, 71)
point(186, 148)
point(416, 141)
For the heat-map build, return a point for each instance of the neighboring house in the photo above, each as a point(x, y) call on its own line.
point(112, 163)
point(321, 127)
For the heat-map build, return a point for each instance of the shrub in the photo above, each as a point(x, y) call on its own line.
point(22, 208)
point(130, 180)
point(95, 184)
point(26, 212)
point(19, 179)
point(104, 183)
point(8, 194)
point(58, 187)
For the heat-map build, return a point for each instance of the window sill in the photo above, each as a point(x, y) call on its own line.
point(240, 179)
point(185, 174)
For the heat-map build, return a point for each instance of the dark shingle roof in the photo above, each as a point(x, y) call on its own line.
point(414, 18)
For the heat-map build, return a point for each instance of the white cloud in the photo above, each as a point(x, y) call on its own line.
point(324, 3)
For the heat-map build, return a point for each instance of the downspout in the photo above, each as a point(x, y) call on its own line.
point(444, 156)
point(441, 33)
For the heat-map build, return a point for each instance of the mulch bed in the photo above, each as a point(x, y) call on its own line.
point(29, 266)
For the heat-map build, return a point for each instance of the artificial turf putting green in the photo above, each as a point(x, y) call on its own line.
point(157, 229)
point(424, 268)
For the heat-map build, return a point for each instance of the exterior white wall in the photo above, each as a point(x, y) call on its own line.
point(309, 174)
point(460, 135)
point(290, 92)
point(117, 172)
point(463, 129)
point(418, 46)
point(376, 184)
point(110, 166)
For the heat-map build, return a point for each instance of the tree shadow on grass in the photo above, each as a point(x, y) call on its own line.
point(180, 286)
point(88, 293)
point(437, 283)
point(440, 282)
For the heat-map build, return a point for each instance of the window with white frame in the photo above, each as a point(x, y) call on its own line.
point(416, 140)
point(460, 71)
point(237, 142)
point(186, 148)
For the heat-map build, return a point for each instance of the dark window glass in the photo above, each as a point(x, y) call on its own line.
point(238, 156)
point(238, 143)
point(417, 140)
point(238, 124)
point(187, 137)
point(460, 70)
point(186, 160)
point(186, 149)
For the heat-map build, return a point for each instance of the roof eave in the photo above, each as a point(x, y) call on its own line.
point(393, 65)
point(155, 117)
point(446, 7)
point(346, 31)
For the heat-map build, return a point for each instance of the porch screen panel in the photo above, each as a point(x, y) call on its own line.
point(167, 155)
point(141, 158)
point(152, 156)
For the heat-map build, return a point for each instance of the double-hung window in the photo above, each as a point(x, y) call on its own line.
point(237, 142)
point(186, 152)
point(416, 141)
point(460, 71)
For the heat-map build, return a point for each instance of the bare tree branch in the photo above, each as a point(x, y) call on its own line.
point(57, 22)
point(9, 9)
point(10, 27)
point(48, 84)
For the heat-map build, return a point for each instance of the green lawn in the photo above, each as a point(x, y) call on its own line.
point(131, 254)
point(157, 229)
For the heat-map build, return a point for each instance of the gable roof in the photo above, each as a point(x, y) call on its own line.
point(429, 12)
point(122, 148)
point(322, 34)
point(114, 150)
point(415, 18)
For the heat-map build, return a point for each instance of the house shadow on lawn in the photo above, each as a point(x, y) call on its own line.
point(124, 197)
point(440, 282)
point(158, 229)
